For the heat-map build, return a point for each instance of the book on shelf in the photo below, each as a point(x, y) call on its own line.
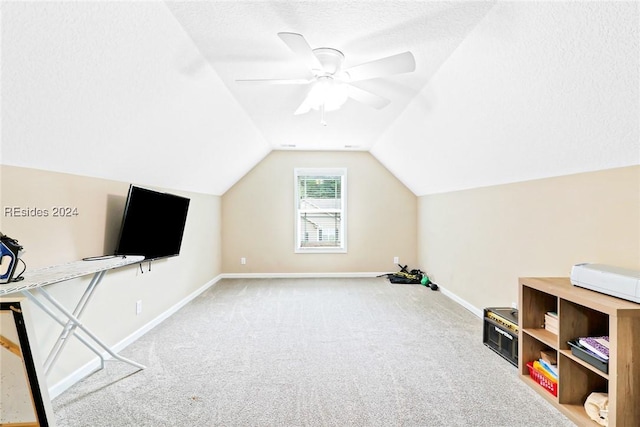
point(551, 322)
point(596, 345)
point(549, 356)
point(548, 375)
point(549, 368)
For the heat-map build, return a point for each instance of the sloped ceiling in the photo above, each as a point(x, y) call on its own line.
point(96, 89)
point(537, 89)
point(145, 91)
point(239, 40)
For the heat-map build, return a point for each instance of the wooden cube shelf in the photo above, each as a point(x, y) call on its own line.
point(582, 312)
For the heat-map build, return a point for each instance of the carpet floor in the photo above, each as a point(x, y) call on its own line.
point(310, 352)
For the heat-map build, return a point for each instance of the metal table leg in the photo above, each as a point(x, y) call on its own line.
point(73, 322)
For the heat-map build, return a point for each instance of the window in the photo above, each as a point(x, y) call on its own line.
point(321, 210)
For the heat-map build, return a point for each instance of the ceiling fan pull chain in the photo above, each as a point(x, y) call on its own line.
point(323, 122)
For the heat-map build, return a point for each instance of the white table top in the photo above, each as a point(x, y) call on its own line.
point(59, 273)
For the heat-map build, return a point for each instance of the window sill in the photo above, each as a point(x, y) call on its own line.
point(321, 250)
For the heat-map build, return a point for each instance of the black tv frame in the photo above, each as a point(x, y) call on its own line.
point(144, 231)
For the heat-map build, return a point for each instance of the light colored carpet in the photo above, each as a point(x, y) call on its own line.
point(310, 352)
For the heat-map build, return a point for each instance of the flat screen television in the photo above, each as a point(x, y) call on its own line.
point(152, 224)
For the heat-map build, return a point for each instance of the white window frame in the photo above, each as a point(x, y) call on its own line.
point(342, 232)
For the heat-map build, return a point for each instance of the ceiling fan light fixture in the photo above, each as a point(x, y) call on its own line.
point(330, 86)
point(328, 93)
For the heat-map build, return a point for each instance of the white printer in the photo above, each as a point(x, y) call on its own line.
point(614, 281)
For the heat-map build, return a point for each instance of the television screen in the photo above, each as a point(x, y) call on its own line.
point(152, 224)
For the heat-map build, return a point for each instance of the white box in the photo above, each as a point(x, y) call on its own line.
point(618, 282)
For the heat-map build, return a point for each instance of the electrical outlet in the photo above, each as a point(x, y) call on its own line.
point(243, 260)
point(396, 260)
point(514, 305)
point(138, 306)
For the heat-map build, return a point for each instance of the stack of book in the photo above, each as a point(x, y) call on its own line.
point(548, 364)
point(593, 350)
point(598, 346)
point(551, 322)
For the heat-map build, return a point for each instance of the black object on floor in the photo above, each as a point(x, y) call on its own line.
point(413, 277)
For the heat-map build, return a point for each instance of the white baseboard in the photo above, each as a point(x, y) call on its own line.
point(94, 364)
point(297, 275)
point(475, 310)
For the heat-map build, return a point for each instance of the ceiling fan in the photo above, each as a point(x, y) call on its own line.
point(329, 84)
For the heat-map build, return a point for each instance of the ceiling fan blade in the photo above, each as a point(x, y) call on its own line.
point(367, 98)
point(301, 48)
point(276, 81)
point(303, 108)
point(395, 64)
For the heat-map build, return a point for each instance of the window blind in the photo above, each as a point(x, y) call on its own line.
point(320, 210)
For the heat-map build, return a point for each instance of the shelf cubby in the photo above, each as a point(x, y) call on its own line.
point(578, 381)
point(580, 321)
point(582, 312)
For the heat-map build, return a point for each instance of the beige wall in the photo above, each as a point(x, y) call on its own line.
point(258, 217)
point(100, 203)
point(476, 243)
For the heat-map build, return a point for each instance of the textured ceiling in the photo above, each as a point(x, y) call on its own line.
point(536, 90)
point(145, 91)
point(239, 40)
point(96, 89)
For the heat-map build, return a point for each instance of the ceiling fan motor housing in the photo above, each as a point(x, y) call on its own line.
point(331, 59)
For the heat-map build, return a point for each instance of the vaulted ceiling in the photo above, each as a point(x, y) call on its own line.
point(146, 92)
point(239, 40)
